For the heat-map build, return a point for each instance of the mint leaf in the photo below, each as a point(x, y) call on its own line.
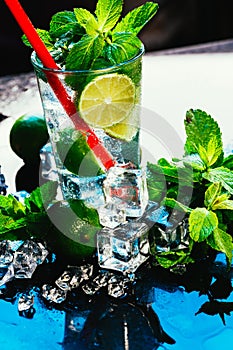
point(108, 13)
point(172, 258)
point(211, 153)
point(202, 222)
point(45, 37)
point(211, 194)
point(41, 197)
point(87, 20)
point(223, 203)
point(9, 206)
point(136, 19)
point(172, 203)
point(221, 241)
point(123, 46)
point(222, 175)
point(202, 130)
point(228, 162)
point(195, 161)
point(84, 52)
point(62, 23)
point(173, 172)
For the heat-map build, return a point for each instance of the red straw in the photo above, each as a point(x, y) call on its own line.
point(27, 27)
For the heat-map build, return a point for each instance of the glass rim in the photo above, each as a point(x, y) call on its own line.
point(38, 64)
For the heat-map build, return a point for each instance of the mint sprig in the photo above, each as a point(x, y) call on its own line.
point(79, 39)
point(203, 167)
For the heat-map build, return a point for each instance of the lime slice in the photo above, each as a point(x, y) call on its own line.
point(125, 130)
point(107, 100)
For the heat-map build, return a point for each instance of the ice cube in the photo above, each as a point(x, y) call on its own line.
point(53, 294)
point(124, 248)
point(8, 276)
point(96, 284)
point(117, 286)
point(33, 250)
point(172, 238)
point(88, 189)
point(127, 185)
point(24, 265)
point(112, 214)
point(25, 302)
point(6, 254)
point(48, 165)
point(63, 282)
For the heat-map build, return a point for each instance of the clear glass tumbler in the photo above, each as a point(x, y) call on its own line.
point(108, 101)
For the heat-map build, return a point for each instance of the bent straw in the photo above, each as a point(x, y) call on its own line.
point(27, 27)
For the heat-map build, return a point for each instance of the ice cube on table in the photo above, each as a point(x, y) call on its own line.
point(25, 302)
point(124, 248)
point(112, 214)
point(6, 254)
point(128, 186)
point(118, 286)
point(53, 294)
point(94, 285)
point(74, 276)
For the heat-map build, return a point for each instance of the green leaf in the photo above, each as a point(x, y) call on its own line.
point(87, 20)
point(41, 197)
point(175, 173)
point(220, 203)
point(172, 203)
point(195, 161)
point(62, 23)
point(156, 187)
point(108, 13)
point(222, 175)
point(11, 207)
point(84, 52)
point(211, 154)
point(172, 258)
point(202, 130)
point(123, 46)
point(221, 241)
point(228, 162)
point(213, 191)
point(45, 37)
point(202, 222)
point(136, 19)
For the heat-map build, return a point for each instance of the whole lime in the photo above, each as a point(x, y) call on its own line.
point(27, 136)
point(72, 236)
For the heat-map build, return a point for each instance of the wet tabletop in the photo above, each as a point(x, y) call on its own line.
point(162, 310)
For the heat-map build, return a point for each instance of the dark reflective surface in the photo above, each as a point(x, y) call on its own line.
point(163, 310)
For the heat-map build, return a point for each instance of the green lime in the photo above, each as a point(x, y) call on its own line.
point(107, 100)
point(70, 236)
point(28, 135)
point(76, 155)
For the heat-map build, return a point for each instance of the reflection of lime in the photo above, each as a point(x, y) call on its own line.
point(70, 236)
point(126, 129)
point(76, 155)
point(107, 100)
point(28, 135)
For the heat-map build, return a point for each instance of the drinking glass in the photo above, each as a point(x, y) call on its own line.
point(80, 172)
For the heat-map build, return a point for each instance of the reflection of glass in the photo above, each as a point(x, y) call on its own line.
point(118, 130)
point(114, 325)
